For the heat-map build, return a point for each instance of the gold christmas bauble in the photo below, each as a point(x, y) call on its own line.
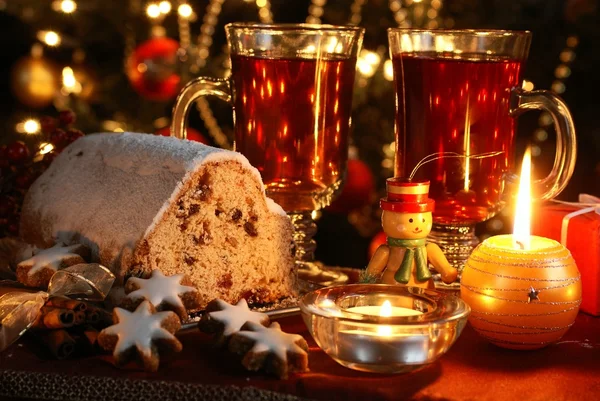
point(35, 81)
point(521, 299)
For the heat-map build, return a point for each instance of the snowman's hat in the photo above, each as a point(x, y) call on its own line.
point(407, 196)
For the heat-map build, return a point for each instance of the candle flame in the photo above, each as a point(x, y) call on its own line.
point(522, 223)
point(386, 309)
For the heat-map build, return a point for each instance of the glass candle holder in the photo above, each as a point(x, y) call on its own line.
point(383, 328)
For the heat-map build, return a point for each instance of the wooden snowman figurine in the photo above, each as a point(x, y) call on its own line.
point(406, 220)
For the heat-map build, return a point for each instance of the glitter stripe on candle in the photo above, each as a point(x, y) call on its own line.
point(570, 282)
point(474, 313)
point(544, 329)
point(518, 278)
point(473, 289)
point(548, 263)
point(516, 333)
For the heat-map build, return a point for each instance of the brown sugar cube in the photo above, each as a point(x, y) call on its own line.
point(141, 336)
point(270, 349)
point(39, 269)
point(165, 293)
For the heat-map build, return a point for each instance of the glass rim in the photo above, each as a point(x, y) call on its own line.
point(440, 313)
point(472, 32)
point(291, 27)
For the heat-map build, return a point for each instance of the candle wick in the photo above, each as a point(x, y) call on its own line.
point(521, 245)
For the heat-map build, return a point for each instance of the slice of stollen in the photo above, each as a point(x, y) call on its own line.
point(144, 202)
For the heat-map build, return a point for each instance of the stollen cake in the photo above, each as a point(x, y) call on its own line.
point(142, 202)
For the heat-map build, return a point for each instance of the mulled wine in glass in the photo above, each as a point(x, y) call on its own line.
point(457, 93)
point(291, 90)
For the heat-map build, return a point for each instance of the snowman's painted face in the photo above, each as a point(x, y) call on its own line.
point(406, 225)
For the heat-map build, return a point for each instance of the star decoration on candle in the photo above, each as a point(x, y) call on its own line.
point(533, 295)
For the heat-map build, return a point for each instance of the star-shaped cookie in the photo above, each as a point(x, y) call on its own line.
point(270, 348)
point(164, 293)
point(225, 319)
point(39, 269)
point(141, 335)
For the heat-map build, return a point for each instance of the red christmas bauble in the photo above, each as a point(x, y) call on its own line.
point(379, 239)
point(152, 69)
point(192, 134)
point(358, 189)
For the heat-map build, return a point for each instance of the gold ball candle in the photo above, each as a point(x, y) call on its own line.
point(524, 291)
point(521, 299)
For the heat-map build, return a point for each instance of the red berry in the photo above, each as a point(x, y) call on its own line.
point(58, 138)
point(17, 152)
point(24, 179)
point(7, 206)
point(48, 124)
point(66, 117)
point(74, 134)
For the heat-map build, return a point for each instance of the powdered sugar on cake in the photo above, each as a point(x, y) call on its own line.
point(160, 289)
point(128, 177)
point(233, 317)
point(275, 208)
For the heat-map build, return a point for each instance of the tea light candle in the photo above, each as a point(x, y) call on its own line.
point(381, 344)
point(385, 310)
point(524, 291)
point(382, 347)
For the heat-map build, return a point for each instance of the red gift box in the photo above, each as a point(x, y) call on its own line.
point(582, 239)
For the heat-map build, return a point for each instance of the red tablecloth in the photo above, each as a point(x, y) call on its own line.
point(472, 370)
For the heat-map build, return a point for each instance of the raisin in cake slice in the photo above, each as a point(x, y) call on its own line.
point(143, 202)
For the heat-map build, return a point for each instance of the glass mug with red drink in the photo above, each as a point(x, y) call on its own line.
point(291, 91)
point(457, 95)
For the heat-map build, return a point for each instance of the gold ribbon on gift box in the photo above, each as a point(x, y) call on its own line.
point(587, 204)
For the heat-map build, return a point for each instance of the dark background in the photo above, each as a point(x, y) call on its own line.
point(99, 28)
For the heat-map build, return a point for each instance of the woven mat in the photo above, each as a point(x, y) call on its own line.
point(46, 386)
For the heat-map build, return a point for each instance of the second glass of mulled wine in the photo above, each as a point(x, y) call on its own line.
point(457, 93)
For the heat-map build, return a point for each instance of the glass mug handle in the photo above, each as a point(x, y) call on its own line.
point(201, 86)
point(566, 143)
